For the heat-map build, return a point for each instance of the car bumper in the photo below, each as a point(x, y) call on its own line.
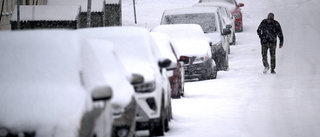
point(124, 124)
point(198, 71)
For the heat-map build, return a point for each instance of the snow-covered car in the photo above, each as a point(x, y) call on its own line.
point(135, 48)
point(235, 9)
point(123, 104)
point(51, 85)
point(212, 25)
point(226, 16)
point(191, 43)
point(176, 69)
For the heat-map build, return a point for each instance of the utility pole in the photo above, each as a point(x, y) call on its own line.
point(89, 14)
point(134, 10)
point(18, 14)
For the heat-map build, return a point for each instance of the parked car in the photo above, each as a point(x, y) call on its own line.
point(136, 50)
point(194, 45)
point(176, 69)
point(211, 23)
point(123, 103)
point(235, 9)
point(226, 16)
point(51, 85)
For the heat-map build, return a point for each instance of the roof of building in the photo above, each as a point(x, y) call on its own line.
point(45, 12)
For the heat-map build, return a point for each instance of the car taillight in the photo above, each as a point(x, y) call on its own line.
point(185, 59)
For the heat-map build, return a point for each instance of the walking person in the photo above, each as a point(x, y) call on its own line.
point(268, 31)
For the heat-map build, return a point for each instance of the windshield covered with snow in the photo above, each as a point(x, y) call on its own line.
point(205, 20)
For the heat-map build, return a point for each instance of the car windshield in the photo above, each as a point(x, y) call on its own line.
point(205, 20)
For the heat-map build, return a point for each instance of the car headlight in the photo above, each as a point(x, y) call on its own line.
point(236, 15)
point(202, 59)
point(145, 87)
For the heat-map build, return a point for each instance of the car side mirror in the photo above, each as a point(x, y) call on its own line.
point(226, 31)
point(241, 4)
point(184, 59)
point(165, 63)
point(102, 93)
point(229, 26)
point(136, 79)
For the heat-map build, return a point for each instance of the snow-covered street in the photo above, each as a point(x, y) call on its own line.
point(244, 102)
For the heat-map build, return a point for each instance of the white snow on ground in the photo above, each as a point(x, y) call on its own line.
point(243, 102)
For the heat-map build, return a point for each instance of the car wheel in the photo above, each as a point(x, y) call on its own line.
point(214, 73)
point(233, 39)
point(177, 96)
point(157, 127)
point(182, 90)
point(226, 63)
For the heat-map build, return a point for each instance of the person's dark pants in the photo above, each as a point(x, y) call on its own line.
point(272, 48)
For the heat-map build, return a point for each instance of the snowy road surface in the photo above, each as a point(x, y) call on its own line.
point(243, 102)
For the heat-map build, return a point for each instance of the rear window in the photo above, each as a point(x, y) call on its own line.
point(205, 20)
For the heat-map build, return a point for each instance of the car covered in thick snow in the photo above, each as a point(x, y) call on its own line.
point(191, 43)
point(212, 25)
point(51, 85)
point(176, 69)
point(123, 103)
point(235, 9)
point(137, 51)
point(226, 16)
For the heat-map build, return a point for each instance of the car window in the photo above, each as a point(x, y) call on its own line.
point(207, 21)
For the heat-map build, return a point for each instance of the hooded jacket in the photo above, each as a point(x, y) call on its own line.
point(268, 31)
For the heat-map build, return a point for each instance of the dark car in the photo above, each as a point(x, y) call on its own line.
point(193, 45)
point(235, 10)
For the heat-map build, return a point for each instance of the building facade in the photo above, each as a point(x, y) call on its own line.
point(7, 7)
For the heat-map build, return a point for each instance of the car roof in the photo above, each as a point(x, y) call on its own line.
point(134, 45)
point(190, 10)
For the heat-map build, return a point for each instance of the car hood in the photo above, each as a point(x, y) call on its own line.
point(215, 37)
point(30, 107)
point(192, 48)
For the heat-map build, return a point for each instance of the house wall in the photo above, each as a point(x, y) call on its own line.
point(113, 15)
point(7, 7)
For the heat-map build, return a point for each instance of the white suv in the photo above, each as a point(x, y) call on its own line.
point(136, 50)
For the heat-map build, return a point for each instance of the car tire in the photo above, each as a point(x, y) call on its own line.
point(233, 39)
point(214, 73)
point(178, 95)
point(157, 127)
point(226, 63)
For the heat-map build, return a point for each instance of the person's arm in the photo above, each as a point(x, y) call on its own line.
point(280, 34)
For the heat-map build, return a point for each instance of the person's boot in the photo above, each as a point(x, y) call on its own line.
point(273, 72)
point(266, 70)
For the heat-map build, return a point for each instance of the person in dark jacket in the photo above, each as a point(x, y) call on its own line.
point(268, 31)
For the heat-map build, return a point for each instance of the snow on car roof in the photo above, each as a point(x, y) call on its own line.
point(134, 45)
point(96, 5)
point(39, 79)
point(165, 48)
point(188, 38)
point(44, 12)
point(190, 10)
point(115, 74)
point(215, 4)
